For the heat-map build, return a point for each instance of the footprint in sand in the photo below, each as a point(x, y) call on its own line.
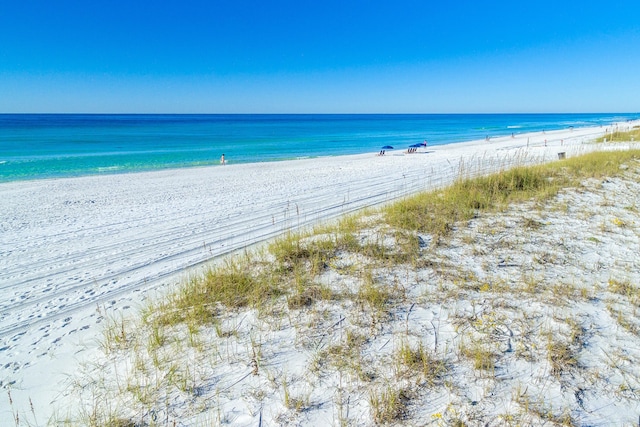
point(17, 336)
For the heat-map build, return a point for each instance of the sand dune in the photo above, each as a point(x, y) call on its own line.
point(73, 249)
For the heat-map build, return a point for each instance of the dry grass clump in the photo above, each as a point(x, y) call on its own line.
point(538, 412)
point(624, 288)
point(388, 405)
point(344, 355)
point(374, 296)
point(482, 357)
point(418, 361)
point(300, 251)
point(561, 357)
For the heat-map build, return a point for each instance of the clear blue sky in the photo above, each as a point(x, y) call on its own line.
point(319, 56)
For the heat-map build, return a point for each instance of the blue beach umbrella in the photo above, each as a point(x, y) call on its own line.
point(387, 147)
point(415, 146)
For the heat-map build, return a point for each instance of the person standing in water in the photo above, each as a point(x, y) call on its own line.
point(222, 161)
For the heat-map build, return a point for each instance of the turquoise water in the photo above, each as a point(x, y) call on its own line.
point(36, 146)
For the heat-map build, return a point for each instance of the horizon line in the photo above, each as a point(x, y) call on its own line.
point(314, 114)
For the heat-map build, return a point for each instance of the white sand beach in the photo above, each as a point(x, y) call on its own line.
point(75, 250)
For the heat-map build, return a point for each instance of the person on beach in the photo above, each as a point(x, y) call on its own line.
point(222, 161)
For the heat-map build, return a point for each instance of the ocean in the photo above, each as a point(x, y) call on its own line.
point(40, 146)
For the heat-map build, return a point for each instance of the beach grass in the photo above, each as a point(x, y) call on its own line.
point(299, 258)
point(436, 212)
point(621, 136)
point(346, 294)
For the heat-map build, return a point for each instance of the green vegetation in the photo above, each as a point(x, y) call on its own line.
point(298, 259)
point(342, 286)
point(231, 285)
point(388, 405)
point(417, 360)
point(618, 136)
point(436, 212)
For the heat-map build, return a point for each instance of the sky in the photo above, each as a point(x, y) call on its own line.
point(321, 56)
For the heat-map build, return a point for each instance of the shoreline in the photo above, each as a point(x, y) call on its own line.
point(101, 244)
point(130, 162)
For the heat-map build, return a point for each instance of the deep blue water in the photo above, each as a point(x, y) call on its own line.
point(35, 146)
